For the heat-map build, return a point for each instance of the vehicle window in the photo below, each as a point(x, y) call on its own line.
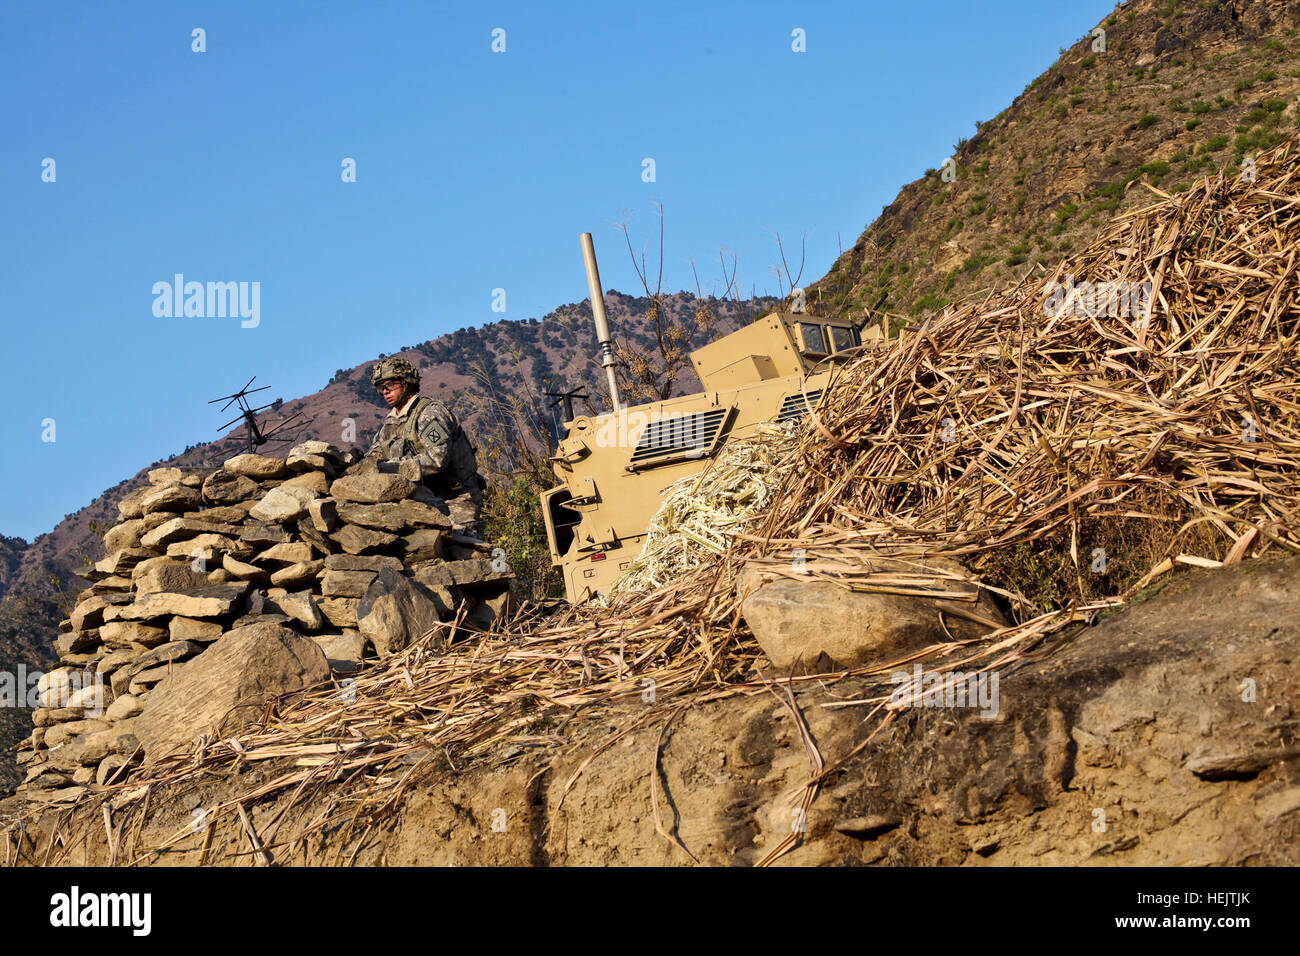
point(813, 337)
point(842, 337)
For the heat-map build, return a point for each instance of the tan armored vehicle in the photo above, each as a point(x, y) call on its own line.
point(614, 467)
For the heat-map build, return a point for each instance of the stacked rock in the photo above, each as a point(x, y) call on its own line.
point(359, 562)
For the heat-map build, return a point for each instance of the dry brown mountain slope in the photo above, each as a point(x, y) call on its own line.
point(1182, 89)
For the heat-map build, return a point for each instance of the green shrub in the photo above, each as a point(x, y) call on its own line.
point(1155, 170)
point(928, 303)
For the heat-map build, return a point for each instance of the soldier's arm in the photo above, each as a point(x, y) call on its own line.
point(374, 454)
point(435, 429)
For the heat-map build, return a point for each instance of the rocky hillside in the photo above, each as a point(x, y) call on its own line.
point(1144, 743)
point(11, 556)
point(1182, 89)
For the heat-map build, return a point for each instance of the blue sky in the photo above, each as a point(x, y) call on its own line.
point(475, 170)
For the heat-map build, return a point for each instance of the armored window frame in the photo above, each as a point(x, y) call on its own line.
point(850, 337)
point(812, 338)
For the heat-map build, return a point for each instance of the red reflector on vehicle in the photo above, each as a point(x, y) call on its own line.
point(598, 556)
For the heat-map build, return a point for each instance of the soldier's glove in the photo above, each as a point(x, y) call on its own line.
point(410, 470)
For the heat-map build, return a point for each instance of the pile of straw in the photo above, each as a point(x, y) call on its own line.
point(702, 513)
point(989, 430)
point(1038, 426)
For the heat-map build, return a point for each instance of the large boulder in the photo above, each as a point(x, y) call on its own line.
point(227, 686)
point(261, 534)
point(324, 514)
point(395, 611)
point(171, 497)
point(301, 606)
point(314, 456)
point(225, 487)
point(372, 488)
point(180, 529)
point(189, 629)
point(206, 546)
point(210, 600)
point(455, 574)
point(395, 516)
point(314, 481)
point(283, 504)
point(131, 634)
point(810, 625)
point(345, 584)
point(357, 540)
point(129, 507)
point(89, 612)
point(259, 467)
point(345, 651)
point(124, 535)
point(357, 562)
point(166, 574)
point(424, 544)
point(121, 562)
point(190, 477)
point(297, 575)
point(290, 552)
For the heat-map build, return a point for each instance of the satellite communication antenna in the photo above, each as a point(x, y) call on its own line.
point(566, 399)
point(257, 434)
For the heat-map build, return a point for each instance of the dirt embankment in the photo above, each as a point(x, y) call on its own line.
point(1164, 735)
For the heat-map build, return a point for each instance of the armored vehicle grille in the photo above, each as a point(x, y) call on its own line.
point(687, 436)
point(798, 405)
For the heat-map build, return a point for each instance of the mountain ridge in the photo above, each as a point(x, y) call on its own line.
point(1180, 90)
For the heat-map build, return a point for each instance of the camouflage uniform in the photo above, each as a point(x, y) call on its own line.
point(423, 441)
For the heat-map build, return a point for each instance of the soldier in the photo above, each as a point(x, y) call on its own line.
point(422, 440)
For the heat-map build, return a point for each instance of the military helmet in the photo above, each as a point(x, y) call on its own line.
point(390, 368)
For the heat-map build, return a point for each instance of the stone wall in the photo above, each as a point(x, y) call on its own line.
point(318, 545)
